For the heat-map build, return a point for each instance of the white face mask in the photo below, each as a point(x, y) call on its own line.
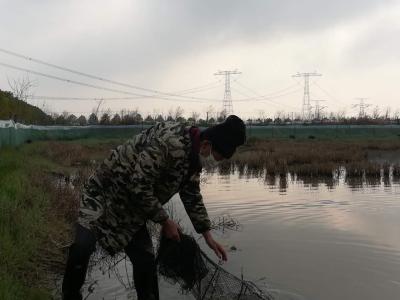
point(209, 161)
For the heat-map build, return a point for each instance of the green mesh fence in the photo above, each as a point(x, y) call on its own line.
point(14, 136)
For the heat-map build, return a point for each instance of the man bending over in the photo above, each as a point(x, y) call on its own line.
point(130, 187)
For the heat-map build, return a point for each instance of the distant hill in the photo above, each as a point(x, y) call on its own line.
point(20, 111)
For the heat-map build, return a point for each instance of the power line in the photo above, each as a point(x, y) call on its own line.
point(200, 88)
point(265, 99)
point(241, 93)
point(247, 88)
point(40, 97)
point(138, 96)
point(95, 77)
point(265, 95)
point(268, 97)
point(191, 90)
point(85, 112)
point(255, 99)
point(179, 94)
point(328, 94)
point(62, 98)
point(135, 95)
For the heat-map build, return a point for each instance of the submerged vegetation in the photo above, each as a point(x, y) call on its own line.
point(318, 161)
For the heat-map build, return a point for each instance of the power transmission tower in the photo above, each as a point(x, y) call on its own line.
point(98, 107)
point(318, 109)
point(306, 108)
point(362, 105)
point(227, 107)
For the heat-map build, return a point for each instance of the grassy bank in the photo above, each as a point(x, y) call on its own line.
point(24, 202)
point(37, 209)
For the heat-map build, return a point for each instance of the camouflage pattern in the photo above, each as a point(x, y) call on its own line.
point(133, 183)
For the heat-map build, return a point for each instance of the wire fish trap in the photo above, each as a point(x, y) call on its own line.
point(184, 263)
point(222, 285)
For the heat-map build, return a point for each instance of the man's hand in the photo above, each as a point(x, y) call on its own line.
point(171, 230)
point(218, 249)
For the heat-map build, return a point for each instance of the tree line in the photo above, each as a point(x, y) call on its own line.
point(126, 117)
point(11, 107)
point(133, 117)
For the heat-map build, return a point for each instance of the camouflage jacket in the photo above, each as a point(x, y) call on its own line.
point(133, 183)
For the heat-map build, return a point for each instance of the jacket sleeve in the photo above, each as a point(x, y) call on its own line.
point(193, 203)
point(150, 161)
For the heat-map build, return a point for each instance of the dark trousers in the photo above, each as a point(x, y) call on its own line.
point(144, 267)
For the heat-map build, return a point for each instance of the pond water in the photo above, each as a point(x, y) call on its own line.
point(300, 240)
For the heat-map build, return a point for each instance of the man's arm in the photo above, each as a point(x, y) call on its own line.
point(193, 203)
point(194, 206)
point(218, 249)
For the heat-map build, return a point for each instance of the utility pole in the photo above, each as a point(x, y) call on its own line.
point(98, 107)
point(306, 108)
point(227, 107)
point(362, 105)
point(318, 108)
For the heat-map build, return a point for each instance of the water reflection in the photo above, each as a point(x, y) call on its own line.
point(327, 236)
point(283, 182)
point(270, 180)
point(356, 182)
point(311, 176)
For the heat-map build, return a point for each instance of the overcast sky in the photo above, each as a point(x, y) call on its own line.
point(175, 45)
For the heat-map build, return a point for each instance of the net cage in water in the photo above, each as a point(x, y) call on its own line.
point(220, 284)
point(186, 264)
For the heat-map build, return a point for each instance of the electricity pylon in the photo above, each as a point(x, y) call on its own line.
point(306, 108)
point(227, 107)
point(362, 105)
point(318, 109)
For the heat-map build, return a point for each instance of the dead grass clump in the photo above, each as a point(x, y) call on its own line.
point(270, 179)
point(354, 182)
point(372, 170)
point(382, 145)
point(372, 180)
point(299, 152)
point(283, 183)
point(64, 199)
point(396, 170)
point(386, 170)
point(314, 170)
point(74, 154)
point(226, 168)
point(396, 173)
point(354, 170)
point(251, 158)
point(315, 158)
